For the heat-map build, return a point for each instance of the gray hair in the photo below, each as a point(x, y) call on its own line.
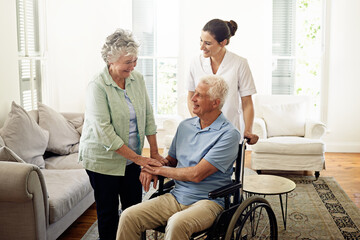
point(121, 42)
point(218, 88)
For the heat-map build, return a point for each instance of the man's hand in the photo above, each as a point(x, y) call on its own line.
point(252, 138)
point(145, 179)
point(152, 170)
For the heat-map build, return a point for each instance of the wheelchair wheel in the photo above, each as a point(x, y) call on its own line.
point(253, 219)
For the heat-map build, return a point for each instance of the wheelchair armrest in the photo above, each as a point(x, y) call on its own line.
point(225, 190)
point(163, 188)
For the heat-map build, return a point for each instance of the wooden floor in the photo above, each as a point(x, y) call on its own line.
point(344, 167)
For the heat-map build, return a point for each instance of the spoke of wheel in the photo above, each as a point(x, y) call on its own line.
point(265, 228)
point(257, 223)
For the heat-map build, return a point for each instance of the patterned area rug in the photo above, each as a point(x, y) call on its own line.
point(316, 210)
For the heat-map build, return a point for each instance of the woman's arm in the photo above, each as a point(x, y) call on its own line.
point(248, 112)
point(127, 153)
point(154, 152)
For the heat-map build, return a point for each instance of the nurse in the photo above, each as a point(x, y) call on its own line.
point(217, 60)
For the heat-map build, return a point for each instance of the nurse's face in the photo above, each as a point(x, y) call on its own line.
point(209, 45)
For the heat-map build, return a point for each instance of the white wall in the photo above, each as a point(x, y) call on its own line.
point(344, 77)
point(9, 73)
point(76, 32)
point(254, 30)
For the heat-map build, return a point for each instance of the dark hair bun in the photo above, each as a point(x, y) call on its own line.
point(232, 26)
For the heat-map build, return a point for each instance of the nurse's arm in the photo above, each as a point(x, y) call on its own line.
point(248, 111)
point(193, 174)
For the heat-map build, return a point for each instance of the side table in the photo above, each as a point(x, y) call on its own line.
point(269, 185)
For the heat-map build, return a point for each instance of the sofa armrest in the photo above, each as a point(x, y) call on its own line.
point(259, 128)
point(23, 201)
point(314, 129)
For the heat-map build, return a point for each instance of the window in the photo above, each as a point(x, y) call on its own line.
point(29, 51)
point(155, 24)
point(297, 48)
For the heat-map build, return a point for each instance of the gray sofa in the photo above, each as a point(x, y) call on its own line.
point(40, 201)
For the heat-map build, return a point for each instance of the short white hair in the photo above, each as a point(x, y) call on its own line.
point(218, 88)
point(121, 42)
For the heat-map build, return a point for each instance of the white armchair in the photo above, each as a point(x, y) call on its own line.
point(288, 139)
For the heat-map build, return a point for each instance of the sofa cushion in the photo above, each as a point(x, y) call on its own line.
point(284, 119)
point(24, 136)
point(289, 145)
point(66, 188)
point(63, 162)
point(63, 135)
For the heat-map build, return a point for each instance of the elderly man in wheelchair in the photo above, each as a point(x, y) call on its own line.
point(200, 160)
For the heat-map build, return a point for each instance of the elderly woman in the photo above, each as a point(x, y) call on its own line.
point(118, 115)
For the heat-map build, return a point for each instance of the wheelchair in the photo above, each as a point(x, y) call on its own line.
point(241, 219)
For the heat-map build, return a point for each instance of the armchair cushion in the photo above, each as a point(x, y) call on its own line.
point(284, 119)
point(289, 145)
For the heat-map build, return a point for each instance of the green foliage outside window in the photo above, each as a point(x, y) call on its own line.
point(166, 87)
point(309, 49)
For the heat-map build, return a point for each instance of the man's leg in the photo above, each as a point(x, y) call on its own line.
point(194, 218)
point(146, 215)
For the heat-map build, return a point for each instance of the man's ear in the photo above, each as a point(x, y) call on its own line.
point(216, 103)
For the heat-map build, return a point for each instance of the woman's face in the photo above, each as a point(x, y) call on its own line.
point(209, 45)
point(123, 66)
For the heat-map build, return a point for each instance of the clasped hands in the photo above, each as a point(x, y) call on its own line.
point(149, 170)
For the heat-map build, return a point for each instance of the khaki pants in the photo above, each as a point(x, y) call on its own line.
point(182, 221)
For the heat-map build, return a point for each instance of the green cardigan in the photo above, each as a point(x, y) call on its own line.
point(107, 120)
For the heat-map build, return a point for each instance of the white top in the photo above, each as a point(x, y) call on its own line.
point(236, 72)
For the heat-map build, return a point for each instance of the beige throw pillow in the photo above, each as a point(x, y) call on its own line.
point(7, 155)
point(1, 142)
point(24, 136)
point(63, 135)
point(77, 123)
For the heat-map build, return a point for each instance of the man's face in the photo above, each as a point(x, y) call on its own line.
point(201, 100)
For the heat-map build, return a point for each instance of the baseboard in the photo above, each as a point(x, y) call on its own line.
point(349, 147)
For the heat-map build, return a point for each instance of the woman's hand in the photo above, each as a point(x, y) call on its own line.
point(252, 138)
point(160, 158)
point(145, 179)
point(147, 162)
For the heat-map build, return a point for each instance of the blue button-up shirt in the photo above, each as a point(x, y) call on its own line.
point(217, 144)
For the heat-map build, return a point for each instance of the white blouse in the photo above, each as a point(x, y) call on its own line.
point(236, 72)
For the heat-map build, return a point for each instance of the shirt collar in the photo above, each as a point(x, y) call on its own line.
point(207, 63)
point(109, 81)
point(216, 125)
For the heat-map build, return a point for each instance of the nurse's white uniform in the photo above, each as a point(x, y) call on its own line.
point(236, 72)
